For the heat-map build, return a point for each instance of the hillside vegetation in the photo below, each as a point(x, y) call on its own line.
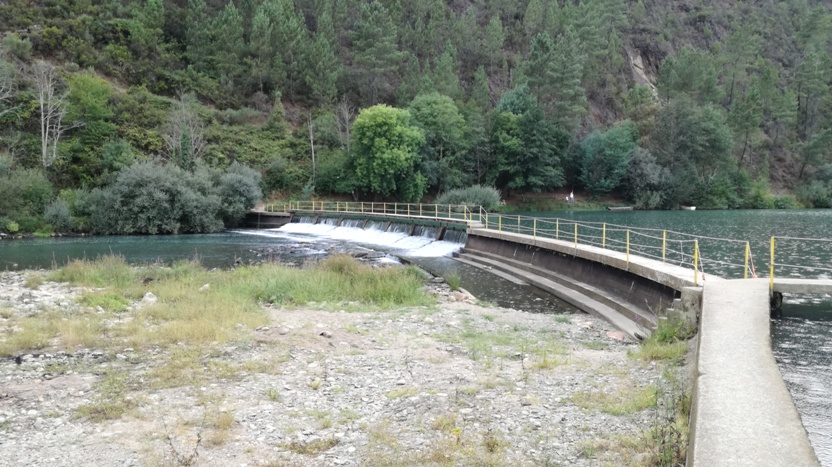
point(703, 102)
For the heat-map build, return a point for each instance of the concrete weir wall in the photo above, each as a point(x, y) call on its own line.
point(629, 287)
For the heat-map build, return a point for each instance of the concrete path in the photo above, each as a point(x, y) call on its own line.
point(742, 414)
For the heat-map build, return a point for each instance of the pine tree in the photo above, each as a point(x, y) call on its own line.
point(445, 74)
point(480, 90)
point(197, 35)
point(290, 40)
point(374, 43)
point(261, 52)
point(554, 74)
point(229, 45)
point(323, 71)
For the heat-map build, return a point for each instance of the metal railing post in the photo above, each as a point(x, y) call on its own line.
point(396, 209)
point(408, 209)
point(557, 228)
point(337, 206)
point(628, 249)
point(664, 244)
point(384, 208)
point(500, 223)
point(420, 209)
point(436, 211)
point(449, 211)
point(604, 237)
point(696, 262)
point(534, 228)
point(747, 252)
point(771, 268)
point(518, 223)
point(576, 235)
point(362, 207)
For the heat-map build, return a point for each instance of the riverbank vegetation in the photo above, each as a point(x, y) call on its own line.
point(655, 103)
point(194, 306)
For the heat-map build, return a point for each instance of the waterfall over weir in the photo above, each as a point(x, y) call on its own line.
point(404, 239)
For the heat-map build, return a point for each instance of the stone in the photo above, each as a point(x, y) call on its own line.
point(149, 299)
point(205, 288)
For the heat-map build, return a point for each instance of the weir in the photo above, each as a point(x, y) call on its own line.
point(742, 413)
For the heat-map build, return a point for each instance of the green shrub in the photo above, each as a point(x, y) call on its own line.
point(21, 48)
point(815, 194)
point(239, 189)
point(786, 202)
point(242, 116)
point(24, 193)
point(12, 227)
point(477, 195)
point(58, 216)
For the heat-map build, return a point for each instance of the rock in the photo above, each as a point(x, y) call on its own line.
point(205, 288)
point(326, 334)
point(617, 335)
point(283, 331)
point(149, 299)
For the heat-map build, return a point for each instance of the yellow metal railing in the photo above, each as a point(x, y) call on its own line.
point(472, 215)
point(799, 247)
point(662, 245)
point(730, 257)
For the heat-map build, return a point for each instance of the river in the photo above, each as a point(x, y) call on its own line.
point(802, 337)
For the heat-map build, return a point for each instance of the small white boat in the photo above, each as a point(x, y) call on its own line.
point(687, 208)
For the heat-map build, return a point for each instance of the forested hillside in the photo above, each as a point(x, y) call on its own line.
point(705, 102)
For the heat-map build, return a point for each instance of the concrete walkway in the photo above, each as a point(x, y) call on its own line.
point(742, 414)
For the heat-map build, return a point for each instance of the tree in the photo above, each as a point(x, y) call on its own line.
point(605, 157)
point(261, 58)
point(323, 71)
point(443, 127)
point(229, 45)
point(7, 77)
point(51, 96)
point(198, 35)
point(344, 116)
point(290, 40)
point(690, 73)
point(184, 133)
point(374, 43)
point(386, 152)
point(554, 72)
point(445, 74)
point(493, 42)
point(528, 145)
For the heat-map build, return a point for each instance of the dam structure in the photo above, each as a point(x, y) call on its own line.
point(742, 412)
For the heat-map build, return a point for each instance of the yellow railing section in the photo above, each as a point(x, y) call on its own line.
point(472, 215)
point(818, 250)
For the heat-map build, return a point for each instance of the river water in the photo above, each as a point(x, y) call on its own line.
point(802, 337)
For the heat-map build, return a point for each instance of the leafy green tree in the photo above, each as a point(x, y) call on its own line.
point(694, 142)
point(443, 126)
point(374, 43)
point(605, 157)
point(529, 146)
point(89, 110)
point(386, 145)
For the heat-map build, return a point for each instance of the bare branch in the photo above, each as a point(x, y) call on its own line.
point(344, 114)
point(184, 134)
point(7, 77)
point(51, 95)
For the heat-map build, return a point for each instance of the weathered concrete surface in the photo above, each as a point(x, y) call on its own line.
point(742, 413)
point(458, 224)
point(666, 274)
point(266, 220)
point(809, 286)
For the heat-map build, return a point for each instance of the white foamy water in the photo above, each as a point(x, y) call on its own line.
point(396, 239)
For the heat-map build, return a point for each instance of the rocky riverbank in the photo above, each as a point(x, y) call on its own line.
point(456, 383)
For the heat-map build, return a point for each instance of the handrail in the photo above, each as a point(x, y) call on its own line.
point(667, 246)
point(793, 267)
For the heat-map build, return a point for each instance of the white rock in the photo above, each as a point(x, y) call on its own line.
point(149, 299)
point(205, 288)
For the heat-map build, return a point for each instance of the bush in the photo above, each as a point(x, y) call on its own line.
point(12, 227)
point(242, 116)
point(58, 216)
point(21, 48)
point(477, 195)
point(151, 198)
point(239, 189)
point(24, 193)
point(786, 202)
point(816, 194)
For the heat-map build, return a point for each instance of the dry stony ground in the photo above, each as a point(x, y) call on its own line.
point(453, 384)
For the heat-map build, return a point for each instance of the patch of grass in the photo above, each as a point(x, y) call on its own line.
point(454, 280)
point(565, 319)
point(403, 392)
point(666, 343)
point(33, 281)
point(547, 360)
point(596, 345)
point(30, 333)
point(111, 400)
point(6, 313)
point(625, 399)
point(220, 424)
point(445, 422)
point(82, 332)
point(273, 395)
point(311, 448)
point(108, 300)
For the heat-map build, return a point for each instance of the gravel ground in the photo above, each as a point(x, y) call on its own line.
point(452, 384)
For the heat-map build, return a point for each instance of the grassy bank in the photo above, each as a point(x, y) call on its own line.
point(195, 306)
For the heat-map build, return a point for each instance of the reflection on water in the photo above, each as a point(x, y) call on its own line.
point(802, 341)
